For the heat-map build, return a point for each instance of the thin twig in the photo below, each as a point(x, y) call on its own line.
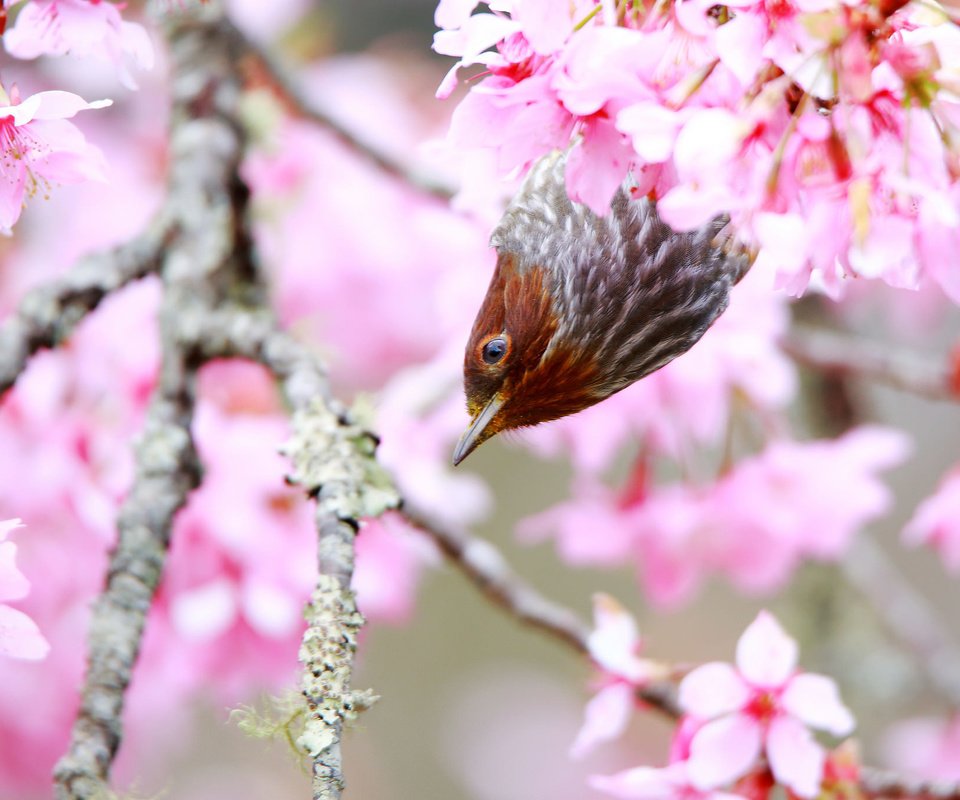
point(488, 570)
point(907, 614)
point(48, 314)
point(841, 354)
point(885, 784)
point(267, 69)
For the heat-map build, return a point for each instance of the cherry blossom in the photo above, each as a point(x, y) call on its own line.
point(826, 130)
point(755, 524)
point(40, 148)
point(936, 522)
point(648, 783)
point(19, 635)
point(85, 28)
point(614, 645)
point(763, 705)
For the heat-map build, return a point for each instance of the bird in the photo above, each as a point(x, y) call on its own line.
point(581, 305)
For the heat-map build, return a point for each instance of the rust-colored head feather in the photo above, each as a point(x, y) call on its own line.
point(581, 306)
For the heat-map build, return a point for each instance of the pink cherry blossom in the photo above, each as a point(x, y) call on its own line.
point(763, 705)
point(38, 148)
point(648, 783)
point(19, 635)
point(86, 28)
point(614, 645)
point(838, 127)
point(936, 522)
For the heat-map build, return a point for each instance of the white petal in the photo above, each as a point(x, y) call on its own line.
point(723, 750)
point(795, 758)
point(815, 701)
point(766, 656)
point(712, 690)
point(605, 718)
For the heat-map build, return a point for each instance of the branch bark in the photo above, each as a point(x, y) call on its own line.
point(48, 314)
point(843, 355)
point(208, 256)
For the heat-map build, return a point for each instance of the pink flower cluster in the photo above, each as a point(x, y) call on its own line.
point(828, 129)
point(82, 28)
point(754, 524)
point(763, 706)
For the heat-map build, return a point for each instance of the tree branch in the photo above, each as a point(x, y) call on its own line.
point(264, 68)
point(843, 355)
point(907, 615)
point(198, 268)
point(48, 314)
point(885, 784)
point(487, 569)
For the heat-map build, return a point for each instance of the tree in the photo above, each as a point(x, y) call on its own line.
point(269, 252)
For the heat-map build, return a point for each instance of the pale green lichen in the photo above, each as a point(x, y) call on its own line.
point(277, 718)
point(327, 653)
point(327, 451)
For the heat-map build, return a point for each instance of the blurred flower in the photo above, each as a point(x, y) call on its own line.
point(936, 522)
point(755, 523)
point(86, 28)
point(648, 783)
point(762, 705)
point(925, 747)
point(19, 635)
point(614, 646)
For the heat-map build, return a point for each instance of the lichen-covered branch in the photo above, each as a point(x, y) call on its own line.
point(167, 470)
point(48, 314)
point(333, 460)
point(840, 354)
point(200, 265)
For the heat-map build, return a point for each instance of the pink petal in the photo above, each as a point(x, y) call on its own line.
point(8, 525)
point(766, 656)
point(653, 129)
point(605, 718)
point(815, 701)
point(545, 26)
point(795, 758)
point(688, 206)
point(739, 45)
point(13, 584)
point(19, 636)
point(642, 783)
point(614, 641)
point(723, 750)
point(713, 689)
point(453, 13)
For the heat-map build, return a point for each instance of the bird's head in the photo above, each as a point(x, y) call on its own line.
point(518, 368)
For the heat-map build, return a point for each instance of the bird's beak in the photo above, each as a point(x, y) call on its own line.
point(477, 433)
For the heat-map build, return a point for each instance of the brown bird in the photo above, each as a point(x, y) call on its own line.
point(581, 306)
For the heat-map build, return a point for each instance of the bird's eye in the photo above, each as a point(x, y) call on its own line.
point(494, 350)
